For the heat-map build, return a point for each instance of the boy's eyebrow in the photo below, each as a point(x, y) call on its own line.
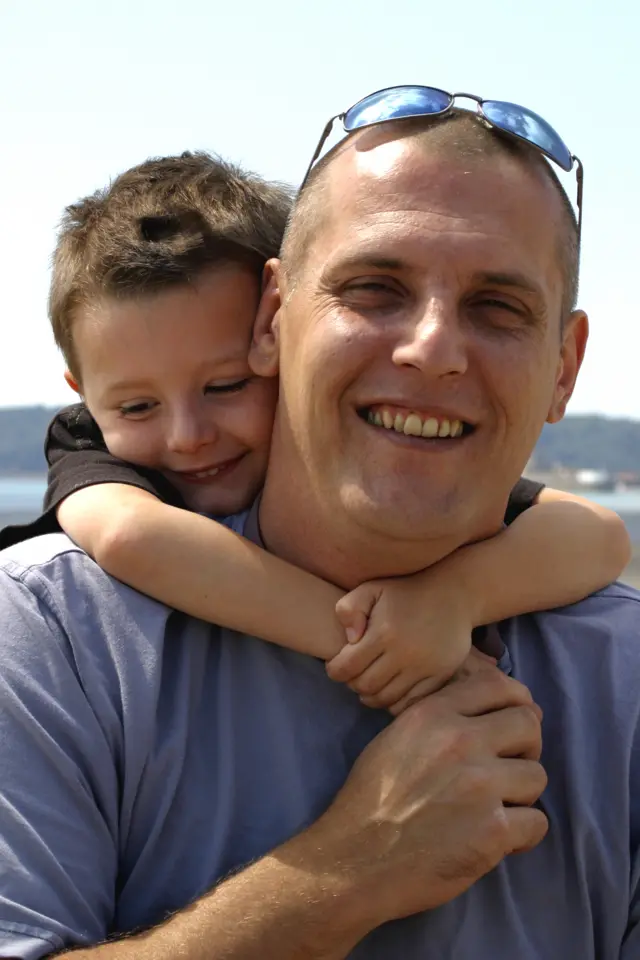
point(121, 386)
point(211, 368)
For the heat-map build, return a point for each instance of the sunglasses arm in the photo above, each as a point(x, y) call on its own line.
point(321, 143)
point(580, 183)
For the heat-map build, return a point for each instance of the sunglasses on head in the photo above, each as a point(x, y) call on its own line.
point(400, 103)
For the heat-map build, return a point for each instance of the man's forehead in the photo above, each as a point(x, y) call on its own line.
point(404, 186)
point(364, 176)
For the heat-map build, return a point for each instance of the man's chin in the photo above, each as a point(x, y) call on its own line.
point(397, 515)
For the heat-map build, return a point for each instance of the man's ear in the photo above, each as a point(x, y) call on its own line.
point(574, 342)
point(264, 352)
point(73, 383)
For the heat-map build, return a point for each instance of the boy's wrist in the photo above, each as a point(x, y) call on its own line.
point(460, 574)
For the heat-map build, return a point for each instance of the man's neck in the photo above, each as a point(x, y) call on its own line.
point(294, 526)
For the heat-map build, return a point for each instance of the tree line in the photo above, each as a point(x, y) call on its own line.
point(578, 442)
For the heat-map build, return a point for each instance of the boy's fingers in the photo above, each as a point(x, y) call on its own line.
point(353, 660)
point(400, 688)
point(360, 602)
point(356, 630)
point(353, 616)
point(372, 680)
point(416, 692)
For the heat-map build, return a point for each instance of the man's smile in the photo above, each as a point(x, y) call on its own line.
point(414, 423)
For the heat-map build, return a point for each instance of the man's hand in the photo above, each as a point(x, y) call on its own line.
point(440, 797)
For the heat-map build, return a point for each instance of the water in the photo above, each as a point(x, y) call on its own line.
point(21, 499)
point(22, 495)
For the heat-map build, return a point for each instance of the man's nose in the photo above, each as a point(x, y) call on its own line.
point(435, 343)
point(189, 431)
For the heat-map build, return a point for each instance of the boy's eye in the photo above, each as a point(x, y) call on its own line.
point(137, 409)
point(233, 387)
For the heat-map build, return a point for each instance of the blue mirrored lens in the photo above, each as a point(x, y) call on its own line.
point(529, 126)
point(396, 103)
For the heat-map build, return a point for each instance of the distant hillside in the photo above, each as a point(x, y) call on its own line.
point(578, 442)
point(600, 443)
point(22, 433)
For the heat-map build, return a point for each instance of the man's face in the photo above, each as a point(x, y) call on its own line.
point(429, 302)
point(166, 377)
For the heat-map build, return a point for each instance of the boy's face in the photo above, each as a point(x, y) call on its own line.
point(167, 379)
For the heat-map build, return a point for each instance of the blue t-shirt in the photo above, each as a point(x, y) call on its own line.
point(145, 754)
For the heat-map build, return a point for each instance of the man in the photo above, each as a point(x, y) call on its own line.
point(427, 273)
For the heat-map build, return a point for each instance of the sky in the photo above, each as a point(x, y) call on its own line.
point(89, 89)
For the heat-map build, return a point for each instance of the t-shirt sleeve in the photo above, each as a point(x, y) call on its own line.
point(523, 496)
point(58, 789)
point(78, 457)
point(631, 943)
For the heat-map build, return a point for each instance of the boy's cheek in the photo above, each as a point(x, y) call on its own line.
point(128, 442)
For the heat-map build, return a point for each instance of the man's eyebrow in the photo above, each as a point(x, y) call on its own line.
point(370, 260)
point(508, 279)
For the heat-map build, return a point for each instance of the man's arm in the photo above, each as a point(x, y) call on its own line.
point(419, 819)
point(291, 904)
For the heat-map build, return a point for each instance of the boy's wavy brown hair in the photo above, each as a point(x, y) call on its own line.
point(159, 225)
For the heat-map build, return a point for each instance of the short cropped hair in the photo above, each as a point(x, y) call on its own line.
point(159, 225)
point(457, 133)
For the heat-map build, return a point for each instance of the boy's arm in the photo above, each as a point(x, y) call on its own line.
point(418, 628)
point(556, 553)
point(202, 568)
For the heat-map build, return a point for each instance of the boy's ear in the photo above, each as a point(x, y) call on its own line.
point(264, 353)
point(73, 383)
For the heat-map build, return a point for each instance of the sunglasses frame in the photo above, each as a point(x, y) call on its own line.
point(479, 101)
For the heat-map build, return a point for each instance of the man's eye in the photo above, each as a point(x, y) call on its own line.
point(371, 293)
point(137, 409)
point(234, 387)
point(495, 303)
point(371, 286)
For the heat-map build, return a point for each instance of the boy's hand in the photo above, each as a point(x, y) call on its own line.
point(406, 638)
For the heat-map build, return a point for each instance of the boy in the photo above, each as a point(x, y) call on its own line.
point(155, 286)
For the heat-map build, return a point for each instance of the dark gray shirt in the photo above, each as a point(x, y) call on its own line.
point(144, 755)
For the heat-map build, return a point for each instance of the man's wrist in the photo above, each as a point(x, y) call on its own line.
point(320, 865)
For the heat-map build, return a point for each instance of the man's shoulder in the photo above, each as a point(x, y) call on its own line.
point(36, 552)
point(611, 614)
point(50, 559)
point(613, 611)
point(65, 582)
point(588, 649)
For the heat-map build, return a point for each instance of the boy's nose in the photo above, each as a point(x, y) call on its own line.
point(189, 432)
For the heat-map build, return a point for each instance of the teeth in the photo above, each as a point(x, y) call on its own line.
point(201, 474)
point(387, 419)
point(430, 428)
point(413, 426)
point(410, 425)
